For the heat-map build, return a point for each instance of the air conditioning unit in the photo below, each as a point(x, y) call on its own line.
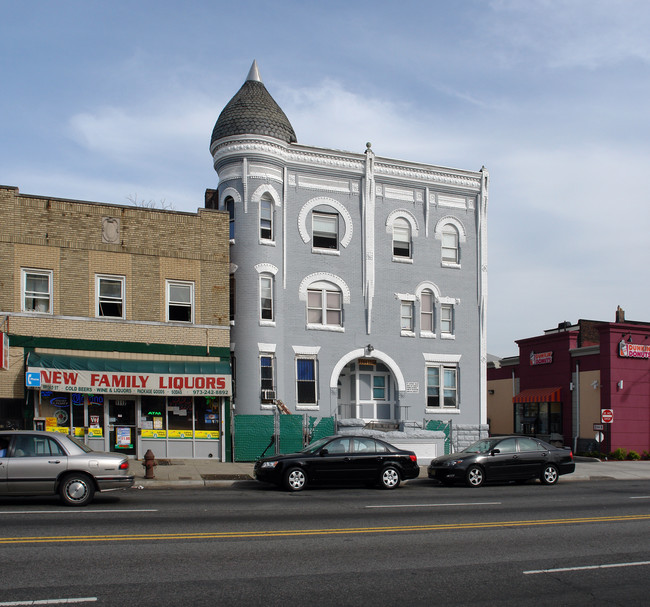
point(268, 395)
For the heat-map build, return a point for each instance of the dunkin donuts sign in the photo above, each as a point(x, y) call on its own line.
point(160, 384)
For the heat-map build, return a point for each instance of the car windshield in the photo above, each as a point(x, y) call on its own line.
point(315, 446)
point(482, 446)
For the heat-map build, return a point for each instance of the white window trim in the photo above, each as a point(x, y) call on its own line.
point(441, 365)
point(122, 280)
point(23, 289)
point(324, 326)
point(182, 283)
point(345, 231)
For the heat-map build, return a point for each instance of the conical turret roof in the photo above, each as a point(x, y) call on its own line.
point(252, 111)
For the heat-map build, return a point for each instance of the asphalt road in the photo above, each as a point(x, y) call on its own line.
point(570, 544)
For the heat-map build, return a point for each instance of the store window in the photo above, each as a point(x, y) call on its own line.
point(179, 416)
point(154, 419)
point(538, 419)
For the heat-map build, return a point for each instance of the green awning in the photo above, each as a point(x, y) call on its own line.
point(122, 365)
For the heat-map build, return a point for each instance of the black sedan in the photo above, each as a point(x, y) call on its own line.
point(338, 460)
point(503, 458)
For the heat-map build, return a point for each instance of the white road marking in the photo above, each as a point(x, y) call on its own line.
point(640, 497)
point(435, 505)
point(69, 512)
point(586, 568)
point(88, 599)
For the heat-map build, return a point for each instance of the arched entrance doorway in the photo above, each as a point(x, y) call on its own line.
point(368, 386)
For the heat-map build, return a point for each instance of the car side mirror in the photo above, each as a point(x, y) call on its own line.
point(495, 451)
point(324, 452)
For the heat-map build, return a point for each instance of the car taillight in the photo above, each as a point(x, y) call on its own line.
point(413, 458)
point(124, 465)
point(571, 454)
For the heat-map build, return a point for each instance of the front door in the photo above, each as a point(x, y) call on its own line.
point(122, 427)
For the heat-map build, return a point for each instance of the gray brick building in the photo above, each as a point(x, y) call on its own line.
point(358, 283)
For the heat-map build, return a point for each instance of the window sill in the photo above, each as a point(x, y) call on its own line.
point(453, 410)
point(267, 323)
point(407, 333)
point(427, 335)
point(402, 259)
point(449, 264)
point(447, 336)
point(266, 242)
point(306, 407)
point(335, 252)
point(334, 328)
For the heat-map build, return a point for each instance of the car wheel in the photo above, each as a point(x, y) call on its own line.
point(475, 476)
point(77, 489)
point(390, 478)
point(549, 475)
point(295, 479)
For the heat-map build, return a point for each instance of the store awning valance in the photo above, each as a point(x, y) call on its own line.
point(86, 374)
point(539, 395)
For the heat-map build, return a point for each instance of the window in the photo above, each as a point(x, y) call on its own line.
point(325, 230)
point(180, 301)
point(110, 296)
point(406, 316)
point(266, 297)
point(379, 387)
point(401, 238)
point(37, 291)
point(446, 395)
point(324, 305)
point(266, 378)
point(426, 312)
point(229, 205)
point(447, 319)
point(233, 298)
point(266, 218)
point(450, 251)
point(306, 381)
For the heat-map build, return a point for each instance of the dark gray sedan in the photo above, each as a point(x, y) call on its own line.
point(50, 463)
point(503, 458)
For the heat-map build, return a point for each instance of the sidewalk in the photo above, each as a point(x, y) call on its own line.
point(179, 473)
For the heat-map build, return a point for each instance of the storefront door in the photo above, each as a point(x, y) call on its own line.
point(122, 428)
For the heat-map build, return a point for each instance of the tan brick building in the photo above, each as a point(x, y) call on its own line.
point(118, 323)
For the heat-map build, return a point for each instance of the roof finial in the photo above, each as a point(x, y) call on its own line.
point(254, 73)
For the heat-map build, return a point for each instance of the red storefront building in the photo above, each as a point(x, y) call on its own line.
point(585, 385)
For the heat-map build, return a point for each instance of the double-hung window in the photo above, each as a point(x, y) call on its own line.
point(110, 296)
point(266, 297)
point(37, 291)
point(306, 381)
point(406, 316)
point(229, 205)
point(325, 230)
point(267, 378)
point(266, 218)
point(447, 319)
point(450, 250)
point(401, 238)
point(426, 312)
point(324, 305)
point(442, 394)
point(180, 301)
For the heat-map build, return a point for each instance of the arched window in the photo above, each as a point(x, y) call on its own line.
point(426, 312)
point(325, 230)
point(229, 205)
point(324, 304)
point(266, 217)
point(401, 238)
point(450, 248)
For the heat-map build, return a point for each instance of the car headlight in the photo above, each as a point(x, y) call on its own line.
point(454, 462)
point(269, 464)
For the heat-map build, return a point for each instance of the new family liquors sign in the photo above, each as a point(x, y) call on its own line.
point(160, 384)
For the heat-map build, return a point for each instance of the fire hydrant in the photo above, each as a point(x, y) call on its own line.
point(149, 463)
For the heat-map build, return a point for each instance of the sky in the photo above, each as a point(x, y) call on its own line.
point(116, 101)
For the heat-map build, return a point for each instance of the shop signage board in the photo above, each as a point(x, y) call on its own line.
point(115, 383)
point(541, 358)
point(628, 350)
point(606, 416)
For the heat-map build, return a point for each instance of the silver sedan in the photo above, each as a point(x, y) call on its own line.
point(50, 463)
